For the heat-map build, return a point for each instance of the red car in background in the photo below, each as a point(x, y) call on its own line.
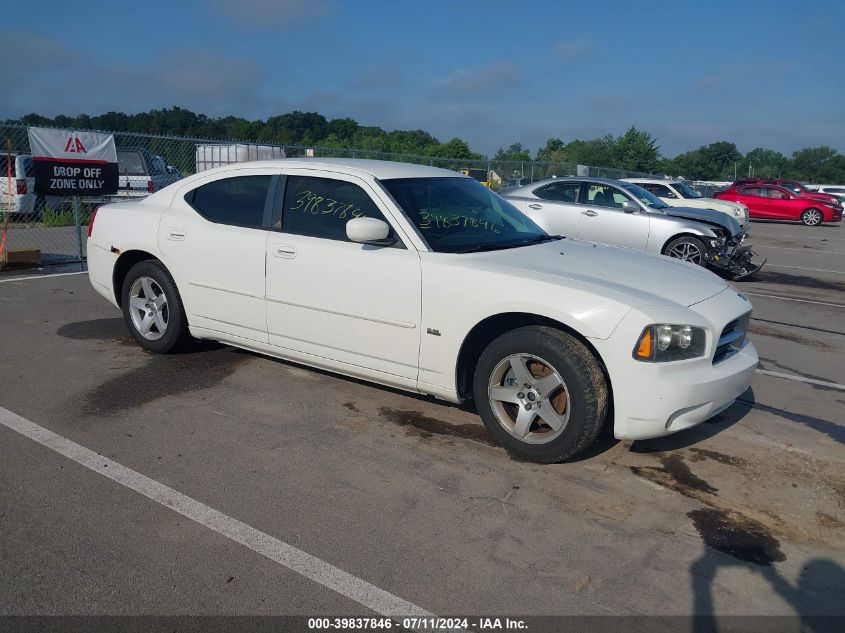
point(793, 186)
point(771, 202)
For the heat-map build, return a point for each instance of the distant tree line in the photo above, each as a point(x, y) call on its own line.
point(635, 150)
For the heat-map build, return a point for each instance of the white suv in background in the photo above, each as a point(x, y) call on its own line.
point(833, 190)
point(677, 193)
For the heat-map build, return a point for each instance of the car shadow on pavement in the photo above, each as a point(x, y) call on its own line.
point(697, 434)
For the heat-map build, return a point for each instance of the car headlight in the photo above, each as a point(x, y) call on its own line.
point(664, 342)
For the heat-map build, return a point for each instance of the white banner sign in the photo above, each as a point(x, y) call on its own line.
point(72, 163)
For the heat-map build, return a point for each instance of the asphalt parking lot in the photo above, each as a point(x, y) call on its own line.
point(742, 515)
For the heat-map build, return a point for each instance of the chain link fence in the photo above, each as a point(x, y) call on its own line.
point(147, 162)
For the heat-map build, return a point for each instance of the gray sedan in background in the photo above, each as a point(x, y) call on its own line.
point(624, 214)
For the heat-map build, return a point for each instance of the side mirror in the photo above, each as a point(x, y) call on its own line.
point(785, 196)
point(630, 207)
point(369, 231)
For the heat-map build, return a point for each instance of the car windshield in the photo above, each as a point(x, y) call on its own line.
point(646, 197)
point(686, 190)
point(795, 186)
point(459, 215)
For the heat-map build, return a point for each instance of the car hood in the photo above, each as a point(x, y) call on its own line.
point(705, 216)
point(644, 278)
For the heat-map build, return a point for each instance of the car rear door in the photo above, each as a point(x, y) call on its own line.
point(214, 239)
point(603, 219)
point(555, 209)
point(354, 306)
point(752, 198)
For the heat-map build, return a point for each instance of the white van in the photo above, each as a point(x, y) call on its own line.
point(18, 187)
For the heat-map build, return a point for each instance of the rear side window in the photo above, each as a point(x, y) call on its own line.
point(559, 191)
point(238, 201)
point(4, 166)
point(131, 164)
point(321, 207)
point(750, 191)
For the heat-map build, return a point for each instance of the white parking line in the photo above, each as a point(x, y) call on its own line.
point(288, 556)
point(803, 250)
point(812, 381)
point(809, 237)
point(819, 303)
point(8, 281)
point(815, 270)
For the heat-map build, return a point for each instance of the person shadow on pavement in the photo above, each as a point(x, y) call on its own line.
point(818, 597)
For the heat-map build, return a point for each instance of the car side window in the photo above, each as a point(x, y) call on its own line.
point(321, 207)
point(238, 201)
point(605, 196)
point(559, 191)
point(750, 191)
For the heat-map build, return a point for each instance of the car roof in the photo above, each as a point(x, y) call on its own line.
point(381, 169)
point(653, 181)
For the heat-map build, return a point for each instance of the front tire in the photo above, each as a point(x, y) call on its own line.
point(540, 393)
point(811, 217)
point(152, 308)
point(688, 248)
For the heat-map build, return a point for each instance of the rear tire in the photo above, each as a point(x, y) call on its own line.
point(688, 248)
point(811, 217)
point(541, 393)
point(152, 308)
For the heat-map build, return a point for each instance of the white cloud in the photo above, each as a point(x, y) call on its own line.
point(495, 77)
point(274, 13)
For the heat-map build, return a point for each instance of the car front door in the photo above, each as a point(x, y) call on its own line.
point(351, 304)
point(778, 206)
point(214, 238)
point(603, 219)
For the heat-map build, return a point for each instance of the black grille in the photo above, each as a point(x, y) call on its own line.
point(731, 339)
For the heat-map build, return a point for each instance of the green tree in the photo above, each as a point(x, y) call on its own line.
point(515, 152)
point(637, 151)
point(455, 148)
point(761, 162)
point(599, 152)
point(818, 164)
point(553, 151)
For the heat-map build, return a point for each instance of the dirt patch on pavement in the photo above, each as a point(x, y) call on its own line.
point(675, 475)
point(765, 330)
point(421, 425)
point(737, 535)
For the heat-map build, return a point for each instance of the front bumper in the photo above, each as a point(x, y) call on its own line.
point(656, 399)
point(734, 259)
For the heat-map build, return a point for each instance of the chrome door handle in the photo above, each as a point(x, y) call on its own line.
point(592, 214)
point(284, 250)
point(535, 206)
point(176, 235)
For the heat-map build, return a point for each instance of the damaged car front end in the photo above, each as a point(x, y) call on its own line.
point(726, 250)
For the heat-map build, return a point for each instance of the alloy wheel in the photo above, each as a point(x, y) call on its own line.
point(529, 398)
point(688, 252)
point(148, 308)
point(811, 217)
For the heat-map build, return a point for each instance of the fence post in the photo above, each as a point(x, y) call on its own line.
point(77, 219)
point(532, 171)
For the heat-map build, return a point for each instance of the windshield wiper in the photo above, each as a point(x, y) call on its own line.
point(512, 244)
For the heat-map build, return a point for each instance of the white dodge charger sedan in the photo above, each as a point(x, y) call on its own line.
point(423, 279)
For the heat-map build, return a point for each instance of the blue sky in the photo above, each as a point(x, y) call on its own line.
point(758, 73)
